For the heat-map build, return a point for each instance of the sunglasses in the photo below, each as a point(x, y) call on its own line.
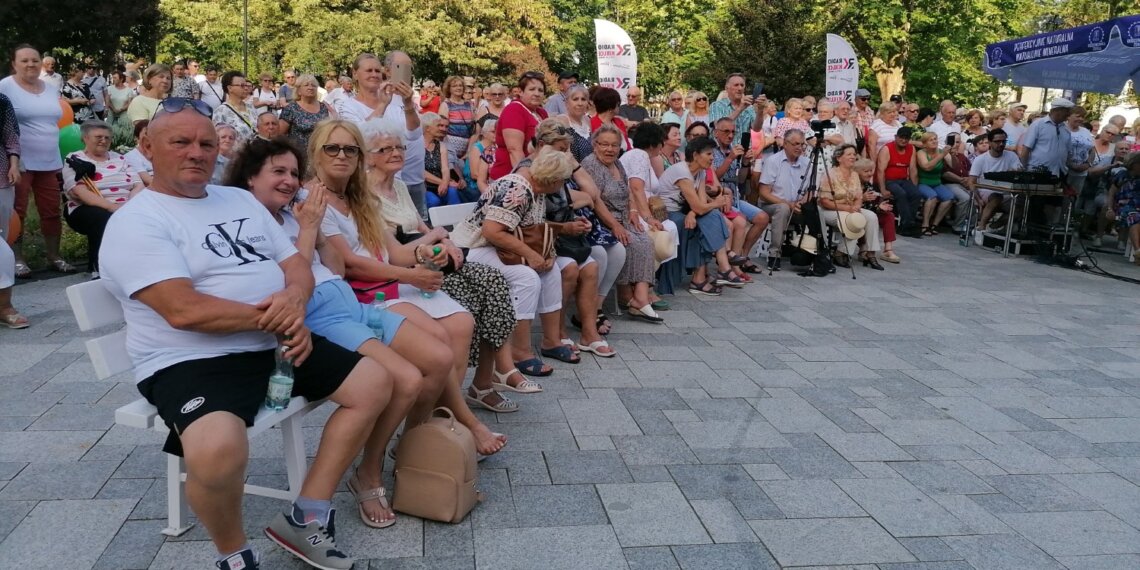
point(387, 149)
point(533, 75)
point(177, 104)
point(333, 150)
point(702, 98)
point(809, 109)
point(863, 98)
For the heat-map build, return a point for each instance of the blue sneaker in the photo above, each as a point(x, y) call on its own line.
point(311, 542)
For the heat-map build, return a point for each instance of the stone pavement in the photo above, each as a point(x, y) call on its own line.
point(956, 411)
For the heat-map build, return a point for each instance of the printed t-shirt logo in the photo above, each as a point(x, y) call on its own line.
point(224, 244)
point(193, 405)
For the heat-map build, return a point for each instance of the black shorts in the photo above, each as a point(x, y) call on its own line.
point(237, 383)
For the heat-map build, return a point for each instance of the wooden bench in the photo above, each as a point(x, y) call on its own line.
point(94, 307)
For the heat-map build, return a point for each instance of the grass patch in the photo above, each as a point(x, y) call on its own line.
point(72, 245)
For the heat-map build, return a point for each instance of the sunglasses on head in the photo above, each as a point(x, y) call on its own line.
point(176, 104)
point(333, 150)
point(533, 75)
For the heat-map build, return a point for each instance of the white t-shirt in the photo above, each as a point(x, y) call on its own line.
point(53, 80)
point(227, 244)
point(338, 224)
point(1013, 134)
point(668, 187)
point(264, 100)
point(637, 165)
point(138, 162)
point(1080, 147)
point(38, 116)
point(986, 163)
point(212, 93)
point(357, 112)
point(293, 229)
point(940, 128)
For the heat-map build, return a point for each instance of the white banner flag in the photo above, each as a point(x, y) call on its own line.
point(842, 70)
point(617, 57)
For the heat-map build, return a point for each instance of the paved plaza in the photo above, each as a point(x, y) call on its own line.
point(957, 411)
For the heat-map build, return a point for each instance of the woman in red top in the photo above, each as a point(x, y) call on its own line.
point(606, 100)
point(517, 124)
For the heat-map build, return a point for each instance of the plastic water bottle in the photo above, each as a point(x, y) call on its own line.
point(374, 321)
point(430, 264)
point(281, 382)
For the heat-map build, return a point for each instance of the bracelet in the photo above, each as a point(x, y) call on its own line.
point(419, 257)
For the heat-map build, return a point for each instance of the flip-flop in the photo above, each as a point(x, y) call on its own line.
point(563, 353)
point(594, 348)
point(533, 367)
point(362, 496)
point(14, 320)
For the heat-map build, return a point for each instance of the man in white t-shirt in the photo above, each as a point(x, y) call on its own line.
point(336, 96)
point(48, 74)
point(209, 282)
point(945, 125)
point(1015, 125)
point(996, 160)
point(213, 94)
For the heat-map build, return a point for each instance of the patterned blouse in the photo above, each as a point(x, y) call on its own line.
point(302, 122)
point(9, 135)
point(114, 178)
point(243, 123)
point(510, 201)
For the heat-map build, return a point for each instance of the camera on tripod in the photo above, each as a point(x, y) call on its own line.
point(820, 126)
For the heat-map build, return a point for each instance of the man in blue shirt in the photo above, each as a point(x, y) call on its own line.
point(728, 159)
point(737, 106)
point(780, 181)
point(1045, 146)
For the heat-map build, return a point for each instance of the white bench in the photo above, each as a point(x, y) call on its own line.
point(450, 215)
point(94, 307)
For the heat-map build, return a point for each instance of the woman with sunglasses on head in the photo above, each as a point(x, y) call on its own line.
point(37, 110)
point(481, 289)
point(700, 110)
point(235, 111)
point(155, 87)
point(517, 124)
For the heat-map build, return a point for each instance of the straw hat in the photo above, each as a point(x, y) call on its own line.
point(852, 225)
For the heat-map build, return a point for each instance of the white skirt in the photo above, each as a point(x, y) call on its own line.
point(438, 306)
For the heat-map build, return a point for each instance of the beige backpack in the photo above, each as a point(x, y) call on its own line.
point(436, 470)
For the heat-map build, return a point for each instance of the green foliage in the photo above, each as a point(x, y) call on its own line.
point(74, 29)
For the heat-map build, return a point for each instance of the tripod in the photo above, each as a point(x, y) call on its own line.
point(810, 210)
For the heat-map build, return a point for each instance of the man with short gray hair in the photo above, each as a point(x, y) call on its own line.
point(780, 181)
point(632, 111)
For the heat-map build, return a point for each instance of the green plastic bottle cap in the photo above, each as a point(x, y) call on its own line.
point(380, 297)
point(436, 250)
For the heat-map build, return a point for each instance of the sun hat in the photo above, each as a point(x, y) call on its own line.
point(852, 225)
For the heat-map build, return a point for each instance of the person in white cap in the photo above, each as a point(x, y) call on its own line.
point(1014, 126)
point(1045, 145)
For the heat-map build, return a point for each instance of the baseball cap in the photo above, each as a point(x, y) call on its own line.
point(1013, 106)
point(862, 93)
point(1061, 103)
point(568, 75)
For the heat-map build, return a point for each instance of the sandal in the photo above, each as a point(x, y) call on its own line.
point(596, 347)
point(704, 288)
point(736, 260)
point(927, 232)
point(727, 278)
point(890, 257)
point(749, 267)
point(22, 270)
point(533, 367)
point(14, 320)
point(561, 352)
point(524, 387)
point(377, 494)
point(645, 313)
point(63, 266)
point(602, 321)
point(571, 344)
point(660, 305)
point(505, 405)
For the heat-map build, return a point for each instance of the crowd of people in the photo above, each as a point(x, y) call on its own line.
point(252, 215)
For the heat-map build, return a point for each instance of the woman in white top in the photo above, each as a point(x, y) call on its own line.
point(265, 98)
point(154, 88)
point(577, 103)
point(235, 111)
point(118, 97)
point(115, 181)
point(648, 140)
point(882, 130)
point(38, 114)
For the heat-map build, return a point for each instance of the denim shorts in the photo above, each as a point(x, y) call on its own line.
point(334, 313)
point(748, 210)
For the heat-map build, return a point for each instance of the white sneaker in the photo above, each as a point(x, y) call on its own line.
point(978, 238)
point(1097, 241)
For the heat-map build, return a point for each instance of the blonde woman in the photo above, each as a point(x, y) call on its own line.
point(700, 111)
point(882, 130)
point(154, 88)
point(299, 118)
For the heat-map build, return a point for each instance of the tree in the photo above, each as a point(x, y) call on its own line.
point(70, 30)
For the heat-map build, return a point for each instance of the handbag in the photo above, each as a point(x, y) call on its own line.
point(558, 210)
point(538, 237)
point(436, 471)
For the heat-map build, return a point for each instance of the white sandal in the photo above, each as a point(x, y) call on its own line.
point(506, 406)
point(524, 387)
point(595, 347)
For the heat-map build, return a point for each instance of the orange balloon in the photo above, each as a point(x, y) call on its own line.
point(14, 228)
point(68, 117)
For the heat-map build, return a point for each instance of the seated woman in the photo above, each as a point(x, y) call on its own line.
point(134, 157)
point(931, 161)
point(641, 166)
point(579, 280)
point(610, 177)
point(112, 182)
point(478, 162)
point(1124, 202)
point(882, 208)
point(442, 190)
point(841, 198)
point(705, 231)
point(481, 289)
point(227, 143)
point(515, 204)
point(270, 170)
point(375, 262)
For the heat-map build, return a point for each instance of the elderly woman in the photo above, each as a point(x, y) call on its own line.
point(78, 96)
point(641, 167)
point(700, 111)
point(606, 101)
point(118, 97)
point(235, 111)
point(1124, 203)
point(300, 117)
point(514, 204)
point(155, 86)
point(882, 130)
point(883, 208)
point(576, 117)
point(9, 175)
point(517, 124)
point(1105, 157)
point(794, 118)
point(495, 102)
point(931, 161)
point(996, 120)
point(37, 110)
point(974, 127)
point(460, 115)
point(671, 149)
point(93, 198)
point(705, 232)
point(227, 143)
point(478, 162)
point(481, 289)
point(442, 187)
point(610, 177)
point(840, 200)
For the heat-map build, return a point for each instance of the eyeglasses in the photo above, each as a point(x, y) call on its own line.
point(727, 131)
point(674, 98)
point(863, 98)
point(101, 138)
point(176, 104)
point(533, 75)
point(388, 149)
point(607, 145)
point(702, 99)
point(333, 150)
